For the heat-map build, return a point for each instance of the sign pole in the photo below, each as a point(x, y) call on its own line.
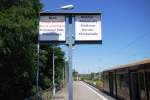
point(70, 43)
point(53, 72)
point(52, 30)
point(37, 70)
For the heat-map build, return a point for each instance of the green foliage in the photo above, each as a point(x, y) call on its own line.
point(75, 75)
point(18, 27)
point(46, 66)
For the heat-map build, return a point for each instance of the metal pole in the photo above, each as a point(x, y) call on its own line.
point(53, 72)
point(70, 43)
point(63, 76)
point(37, 70)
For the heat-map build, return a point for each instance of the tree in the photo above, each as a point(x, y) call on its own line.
point(18, 27)
point(18, 32)
point(75, 74)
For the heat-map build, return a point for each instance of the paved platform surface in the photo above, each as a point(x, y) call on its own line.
point(82, 91)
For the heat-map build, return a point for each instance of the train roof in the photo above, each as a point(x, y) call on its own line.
point(137, 63)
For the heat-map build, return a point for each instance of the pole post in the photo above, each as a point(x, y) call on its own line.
point(63, 77)
point(70, 43)
point(37, 70)
point(53, 72)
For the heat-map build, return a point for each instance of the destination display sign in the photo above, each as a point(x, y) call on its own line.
point(52, 28)
point(87, 28)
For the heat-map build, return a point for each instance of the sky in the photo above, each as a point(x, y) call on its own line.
point(125, 33)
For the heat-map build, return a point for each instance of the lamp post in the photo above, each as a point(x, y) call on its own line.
point(66, 7)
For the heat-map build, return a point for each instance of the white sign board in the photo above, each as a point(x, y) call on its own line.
point(52, 28)
point(87, 28)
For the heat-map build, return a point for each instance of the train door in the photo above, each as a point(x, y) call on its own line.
point(114, 85)
point(142, 85)
point(134, 86)
point(111, 83)
point(148, 83)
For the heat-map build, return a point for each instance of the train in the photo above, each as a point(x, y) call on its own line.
point(128, 82)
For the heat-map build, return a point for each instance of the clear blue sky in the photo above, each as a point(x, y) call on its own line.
point(125, 33)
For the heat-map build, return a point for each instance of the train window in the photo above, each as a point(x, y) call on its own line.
point(123, 85)
point(142, 86)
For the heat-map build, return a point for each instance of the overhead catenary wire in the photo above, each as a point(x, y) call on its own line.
point(129, 44)
point(121, 50)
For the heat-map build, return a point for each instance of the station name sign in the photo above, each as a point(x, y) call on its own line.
point(52, 28)
point(87, 26)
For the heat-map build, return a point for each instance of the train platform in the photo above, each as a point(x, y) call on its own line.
point(82, 91)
